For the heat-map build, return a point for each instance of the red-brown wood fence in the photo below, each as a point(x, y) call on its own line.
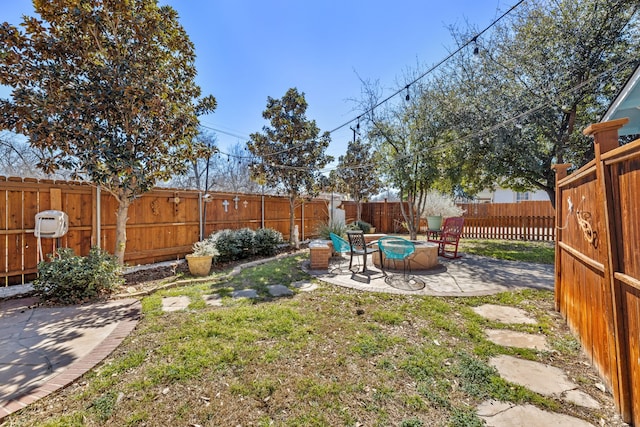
point(527, 220)
point(162, 225)
point(597, 284)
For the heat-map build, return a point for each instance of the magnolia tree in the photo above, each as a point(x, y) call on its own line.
point(107, 89)
point(291, 152)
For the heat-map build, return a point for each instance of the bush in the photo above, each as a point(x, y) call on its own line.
point(237, 244)
point(72, 279)
point(246, 241)
point(360, 225)
point(440, 204)
point(227, 245)
point(336, 227)
point(267, 241)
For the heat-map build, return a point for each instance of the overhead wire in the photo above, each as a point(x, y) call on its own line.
point(406, 87)
point(432, 68)
point(491, 128)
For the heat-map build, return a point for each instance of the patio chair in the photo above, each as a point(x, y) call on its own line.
point(449, 236)
point(340, 246)
point(394, 249)
point(359, 246)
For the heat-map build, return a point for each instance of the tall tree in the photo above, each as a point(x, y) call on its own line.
point(232, 173)
point(538, 80)
point(412, 142)
point(353, 174)
point(291, 151)
point(107, 88)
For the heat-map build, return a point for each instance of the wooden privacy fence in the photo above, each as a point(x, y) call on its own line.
point(162, 225)
point(527, 220)
point(597, 285)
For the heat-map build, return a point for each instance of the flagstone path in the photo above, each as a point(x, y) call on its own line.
point(538, 377)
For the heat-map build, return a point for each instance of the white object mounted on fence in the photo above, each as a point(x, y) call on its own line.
point(50, 224)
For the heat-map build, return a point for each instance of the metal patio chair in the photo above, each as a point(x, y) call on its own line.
point(359, 246)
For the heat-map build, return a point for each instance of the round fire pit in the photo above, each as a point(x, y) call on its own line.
point(425, 257)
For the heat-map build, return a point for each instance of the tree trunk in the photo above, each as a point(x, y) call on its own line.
point(121, 228)
point(409, 217)
point(358, 210)
point(292, 219)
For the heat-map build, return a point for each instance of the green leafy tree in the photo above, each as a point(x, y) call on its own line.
point(356, 173)
point(291, 151)
point(413, 143)
point(107, 89)
point(540, 78)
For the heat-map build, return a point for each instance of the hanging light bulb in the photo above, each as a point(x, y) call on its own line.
point(358, 124)
point(407, 97)
point(476, 49)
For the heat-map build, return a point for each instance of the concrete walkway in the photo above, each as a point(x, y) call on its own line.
point(43, 349)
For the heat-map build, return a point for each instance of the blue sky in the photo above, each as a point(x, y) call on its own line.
point(248, 50)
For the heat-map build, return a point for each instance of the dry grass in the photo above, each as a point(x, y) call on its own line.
point(331, 357)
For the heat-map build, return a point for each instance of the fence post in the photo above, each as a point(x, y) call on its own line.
point(605, 139)
point(561, 172)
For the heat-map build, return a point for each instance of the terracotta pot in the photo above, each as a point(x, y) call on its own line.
point(199, 265)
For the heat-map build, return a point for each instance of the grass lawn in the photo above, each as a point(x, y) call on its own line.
point(512, 250)
point(331, 357)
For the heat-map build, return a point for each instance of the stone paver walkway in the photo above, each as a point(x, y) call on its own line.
point(538, 377)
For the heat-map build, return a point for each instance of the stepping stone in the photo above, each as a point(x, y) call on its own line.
point(509, 338)
point(581, 398)
point(305, 286)
point(536, 376)
point(175, 303)
point(245, 293)
point(279, 291)
point(502, 414)
point(214, 300)
point(504, 314)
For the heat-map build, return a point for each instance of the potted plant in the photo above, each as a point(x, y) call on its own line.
point(201, 257)
point(438, 206)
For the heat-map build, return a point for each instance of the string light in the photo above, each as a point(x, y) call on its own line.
point(407, 97)
point(478, 134)
point(434, 67)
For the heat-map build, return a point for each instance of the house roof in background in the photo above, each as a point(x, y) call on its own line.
point(627, 104)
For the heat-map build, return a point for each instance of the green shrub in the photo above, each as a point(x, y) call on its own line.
point(237, 244)
point(267, 241)
point(336, 227)
point(227, 244)
point(246, 241)
point(360, 225)
point(71, 279)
